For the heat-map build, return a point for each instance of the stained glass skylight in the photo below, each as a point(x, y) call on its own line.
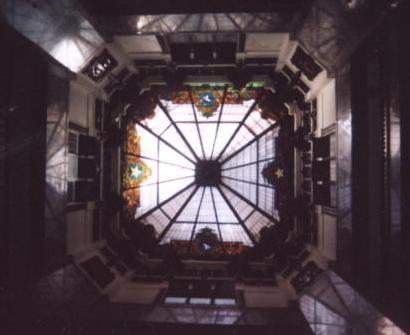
point(206, 129)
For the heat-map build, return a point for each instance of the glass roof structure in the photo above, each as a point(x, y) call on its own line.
point(234, 137)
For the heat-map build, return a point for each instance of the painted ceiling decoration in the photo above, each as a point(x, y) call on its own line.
point(135, 171)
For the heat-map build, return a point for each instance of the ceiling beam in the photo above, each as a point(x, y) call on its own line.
point(219, 119)
point(232, 208)
point(217, 219)
point(196, 218)
point(236, 132)
point(164, 109)
point(152, 210)
point(196, 122)
point(166, 142)
point(178, 213)
point(257, 137)
point(250, 203)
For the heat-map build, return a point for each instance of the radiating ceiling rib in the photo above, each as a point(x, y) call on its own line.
point(270, 217)
point(219, 117)
point(178, 130)
point(166, 142)
point(251, 237)
point(216, 214)
point(196, 216)
point(236, 131)
point(196, 121)
point(249, 143)
point(166, 201)
point(177, 214)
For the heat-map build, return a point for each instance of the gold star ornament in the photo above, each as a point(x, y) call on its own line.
point(279, 173)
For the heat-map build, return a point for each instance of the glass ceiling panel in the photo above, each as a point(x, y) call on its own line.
point(225, 133)
point(267, 145)
point(242, 208)
point(207, 212)
point(235, 233)
point(169, 188)
point(190, 132)
point(159, 122)
point(169, 172)
point(266, 200)
point(256, 123)
point(181, 232)
point(256, 222)
point(208, 132)
point(180, 112)
point(246, 173)
point(169, 155)
point(158, 219)
point(190, 211)
point(235, 112)
point(171, 136)
point(148, 199)
point(172, 207)
point(149, 143)
point(242, 188)
point(223, 211)
point(242, 137)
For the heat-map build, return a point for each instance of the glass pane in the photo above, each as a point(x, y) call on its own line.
point(191, 209)
point(242, 137)
point(234, 233)
point(148, 199)
point(245, 189)
point(256, 222)
point(256, 123)
point(242, 208)
point(159, 122)
point(169, 188)
point(207, 212)
point(158, 219)
point(190, 132)
point(208, 131)
point(266, 199)
point(235, 112)
point(169, 155)
point(174, 139)
point(180, 112)
point(169, 172)
point(225, 133)
point(175, 300)
point(179, 232)
point(223, 212)
point(149, 143)
point(172, 207)
point(246, 173)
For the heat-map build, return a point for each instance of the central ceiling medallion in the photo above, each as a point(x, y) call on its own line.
point(208, 173)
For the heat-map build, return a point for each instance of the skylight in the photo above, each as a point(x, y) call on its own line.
point(202, 155)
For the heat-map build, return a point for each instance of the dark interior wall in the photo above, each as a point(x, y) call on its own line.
point(24, 86)
point(24, 83)
point(379, 101)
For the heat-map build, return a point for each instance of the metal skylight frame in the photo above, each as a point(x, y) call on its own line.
point(253, 207)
